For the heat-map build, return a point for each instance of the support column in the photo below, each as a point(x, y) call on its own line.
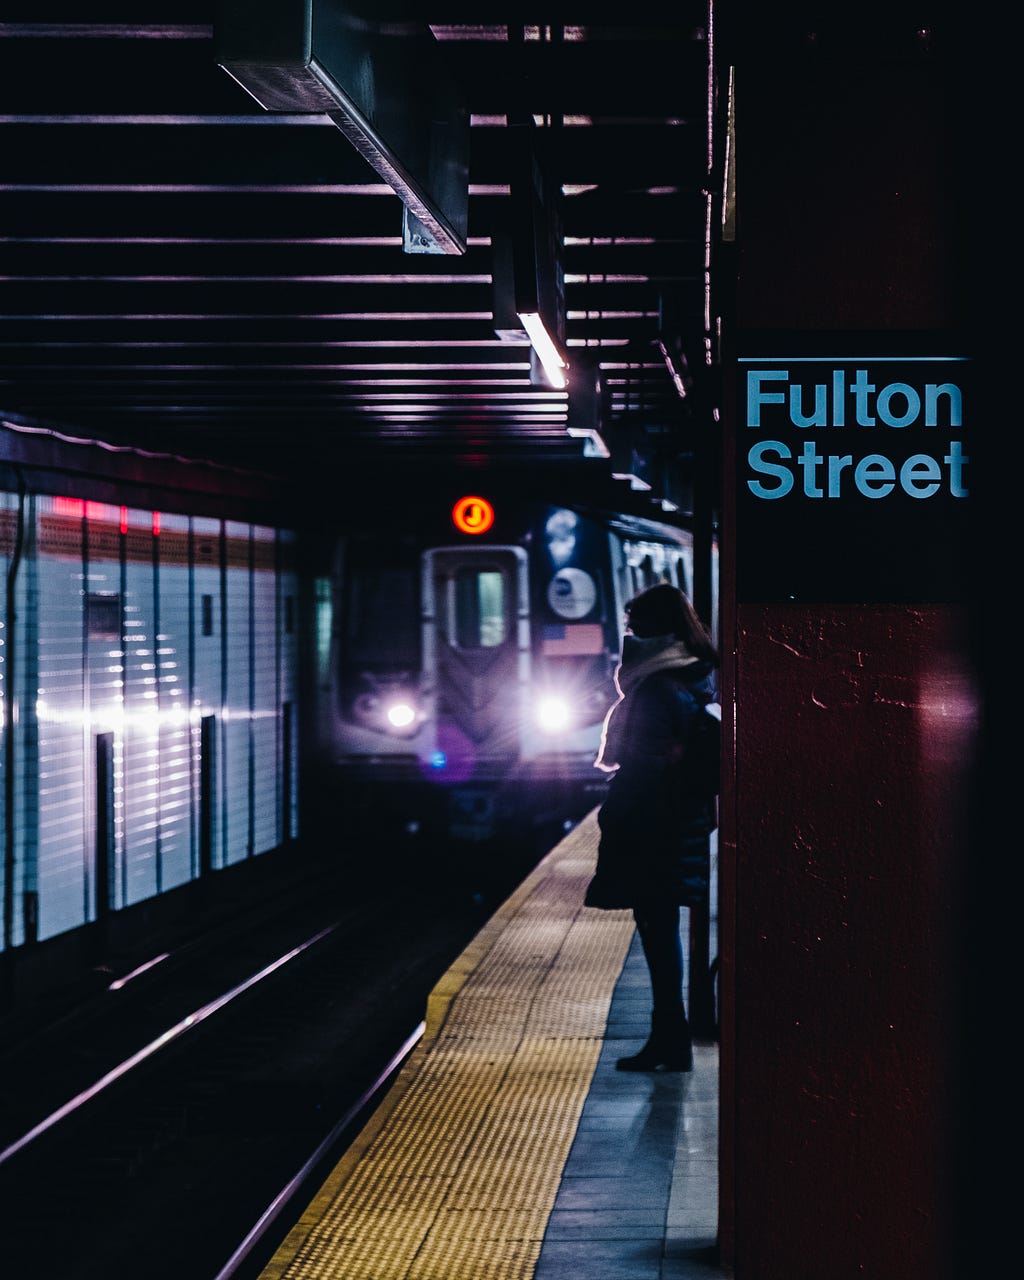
point(853, 695)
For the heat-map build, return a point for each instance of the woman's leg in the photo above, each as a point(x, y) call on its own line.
point(658, 927)
point(669, 1045)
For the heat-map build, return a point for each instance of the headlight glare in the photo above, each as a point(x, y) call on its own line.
point(388, 706)
point(553, 714)
point(400, 714)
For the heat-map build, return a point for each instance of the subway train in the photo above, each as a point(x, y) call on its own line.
point(194, 674)
point(149, 685)
point(467, 658)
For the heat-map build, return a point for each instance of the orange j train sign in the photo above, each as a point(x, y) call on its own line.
point(472, 515)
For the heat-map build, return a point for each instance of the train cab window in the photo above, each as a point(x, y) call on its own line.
point(382, 618)
point(480, 609)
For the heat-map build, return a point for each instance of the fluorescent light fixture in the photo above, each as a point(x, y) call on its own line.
point(381, 79)
point(548, 354)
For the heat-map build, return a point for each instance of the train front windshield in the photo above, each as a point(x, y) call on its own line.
point(381, 616)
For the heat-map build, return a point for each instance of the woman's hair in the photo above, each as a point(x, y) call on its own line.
point(664, 610)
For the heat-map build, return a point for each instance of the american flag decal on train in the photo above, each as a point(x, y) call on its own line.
point(566, 641)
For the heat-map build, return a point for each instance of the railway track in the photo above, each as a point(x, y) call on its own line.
point(173, 1130)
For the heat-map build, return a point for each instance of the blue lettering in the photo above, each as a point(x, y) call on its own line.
point(874, 476)
point(885, 401)
point(809, 460)
point(931, 403)
point(955, 460)
point(756, 397)
point(919, 475)
point(836, 466)
point(860, 388)
point(757, 460)
point(819, 418)
point(838, 403)
point(830, 399)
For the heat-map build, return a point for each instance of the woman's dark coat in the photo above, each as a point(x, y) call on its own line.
point(654, 823)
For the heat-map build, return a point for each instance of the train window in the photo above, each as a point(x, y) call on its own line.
point(104, 615)
point(206, 610)
point(324, 626)
point(480, 609)
point(382, 618)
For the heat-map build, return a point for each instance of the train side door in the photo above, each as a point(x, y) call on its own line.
point(476, 653)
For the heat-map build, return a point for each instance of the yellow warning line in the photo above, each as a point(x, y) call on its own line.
point(455, 1174)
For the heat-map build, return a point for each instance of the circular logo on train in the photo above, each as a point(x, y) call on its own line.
point(472, 515)
point(572, 593)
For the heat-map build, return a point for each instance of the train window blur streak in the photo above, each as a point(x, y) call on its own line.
point(324, 626)
point(125, 621)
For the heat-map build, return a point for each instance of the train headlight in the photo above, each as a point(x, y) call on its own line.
point(400, 714)
point(553, 714)
point(388, 708)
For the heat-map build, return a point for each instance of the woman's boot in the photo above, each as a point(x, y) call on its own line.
point(669, 1047)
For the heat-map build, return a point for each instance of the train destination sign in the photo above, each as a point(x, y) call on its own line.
point(853, 477)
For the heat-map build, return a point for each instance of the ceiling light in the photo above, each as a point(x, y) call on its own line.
point(548, 354)
point(324, 58)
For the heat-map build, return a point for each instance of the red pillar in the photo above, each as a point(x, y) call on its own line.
point(853, 689)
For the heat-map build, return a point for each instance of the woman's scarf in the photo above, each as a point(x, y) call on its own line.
point(640, 659)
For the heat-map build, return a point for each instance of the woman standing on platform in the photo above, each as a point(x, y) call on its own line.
point(660, 808)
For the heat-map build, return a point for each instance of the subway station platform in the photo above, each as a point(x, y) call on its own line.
point(509, 1147)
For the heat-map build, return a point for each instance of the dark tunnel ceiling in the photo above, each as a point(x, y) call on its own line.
point(186, 272)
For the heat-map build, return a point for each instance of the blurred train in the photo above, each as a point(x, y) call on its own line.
point(149, 688)
point(467, 658)
point(199, 668)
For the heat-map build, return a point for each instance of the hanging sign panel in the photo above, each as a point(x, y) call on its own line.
point(854, 477)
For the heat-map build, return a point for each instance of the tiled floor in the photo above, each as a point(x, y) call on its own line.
point(639, 1195)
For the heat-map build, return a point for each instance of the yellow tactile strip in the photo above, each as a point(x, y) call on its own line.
point(455, 1175)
